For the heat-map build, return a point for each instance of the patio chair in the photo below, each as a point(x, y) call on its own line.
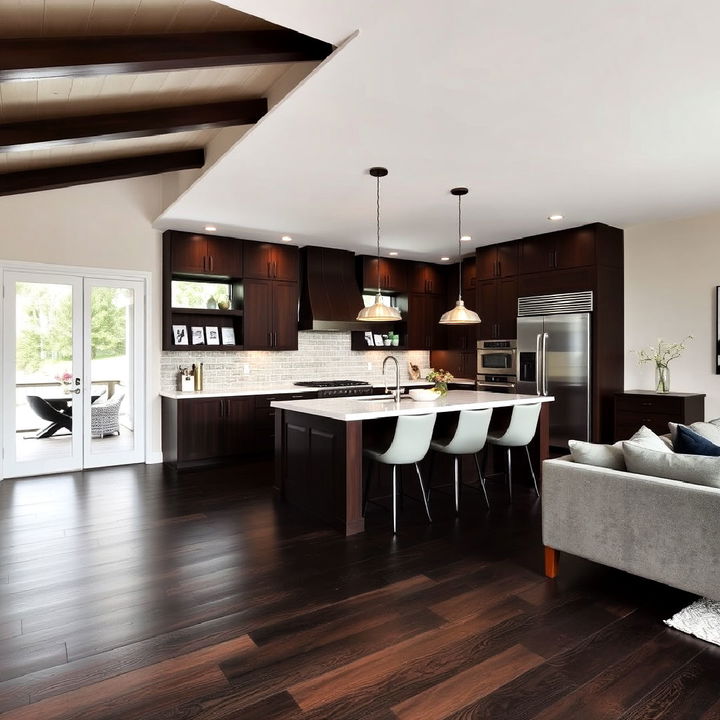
point(47, 412)
point(105, 416)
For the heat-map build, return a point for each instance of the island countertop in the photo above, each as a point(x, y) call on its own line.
point(349, 409)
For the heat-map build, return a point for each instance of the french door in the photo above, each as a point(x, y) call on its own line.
point(73, 372)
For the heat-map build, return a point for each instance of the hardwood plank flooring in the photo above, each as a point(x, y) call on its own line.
point(140, 594)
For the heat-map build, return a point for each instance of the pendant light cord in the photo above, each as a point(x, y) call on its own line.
point(459, 249)
point(377, 200)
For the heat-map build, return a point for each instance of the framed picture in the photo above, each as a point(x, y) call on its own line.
point(180, 334)
point(369, 339)
point(228, 335)
point(378, 340)
point(198, 335)
point(212, 336)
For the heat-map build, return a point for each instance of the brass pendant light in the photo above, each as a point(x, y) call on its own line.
point(378, 311)
point(460, 315)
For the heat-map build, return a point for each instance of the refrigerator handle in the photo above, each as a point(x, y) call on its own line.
point(544, 364)
point(538, 364)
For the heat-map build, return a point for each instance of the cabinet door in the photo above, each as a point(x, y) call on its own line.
point(507, 257)
point(486, 262)
point(225, 257)
point(468, 366)
point(506, 322)
point(257, 315)
point(487, 309)
point(437, 334)
point(189, 253)
point(396, 273)
point(469, 275)
point(239, 426)
point(575, 248)
point(427, 278)
point(257, 259)
point(285, 263)
point(285, 315)
point(537, 253)
point(418, 338)
point(200, 424)
point(370, 274)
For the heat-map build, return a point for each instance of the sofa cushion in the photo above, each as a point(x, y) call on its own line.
point(604, 456)
point(648, 439)
point(692, 443)
point(709, 430)
point(694, 469)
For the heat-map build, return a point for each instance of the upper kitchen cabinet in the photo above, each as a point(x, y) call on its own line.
point(595, 244)
point(268, 261)
point(496, 261)
point(497, 307)
point(469, 275)
point(427, 278)
point(393, 274)
point(423, 315)
point(195, 254)
point(271, 314)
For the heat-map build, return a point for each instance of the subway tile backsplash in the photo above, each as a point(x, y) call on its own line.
point(320, 356)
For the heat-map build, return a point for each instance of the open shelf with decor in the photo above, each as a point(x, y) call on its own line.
point(380, 336)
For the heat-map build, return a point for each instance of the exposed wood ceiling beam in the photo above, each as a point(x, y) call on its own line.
point(25, 181)
point(34, 58)
point(36, 134)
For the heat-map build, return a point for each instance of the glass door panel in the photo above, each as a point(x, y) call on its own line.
point(42, 417)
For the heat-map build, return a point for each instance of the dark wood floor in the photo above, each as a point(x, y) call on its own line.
point(132, 593)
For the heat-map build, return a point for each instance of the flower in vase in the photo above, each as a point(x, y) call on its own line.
point(440, 378)
point(661, 355)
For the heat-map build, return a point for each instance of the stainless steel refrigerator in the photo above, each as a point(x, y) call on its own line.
point(554, 359)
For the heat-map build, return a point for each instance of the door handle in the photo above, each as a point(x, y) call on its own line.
point(274, 269)
point(204, 262)
point(212, 263)
point(274, 338)
point(269, 339)
point(76, 391)
point(538, 364)
point(269, 270)
point(499, 268)
point(544, 354)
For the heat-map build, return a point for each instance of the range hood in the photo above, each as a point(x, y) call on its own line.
point(329, 297)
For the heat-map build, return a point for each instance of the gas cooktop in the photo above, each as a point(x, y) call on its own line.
point(331, 383)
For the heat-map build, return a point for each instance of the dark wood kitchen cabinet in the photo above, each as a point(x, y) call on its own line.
point(196, 254)
point(423, 316)
point(497, 307)
point(427, 278)
point(270, 314)
point(393, 274)
point(496, 261)
point(461, 337)
point(199, 431)
point(271, 261)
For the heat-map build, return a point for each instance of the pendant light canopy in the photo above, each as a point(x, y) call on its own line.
point(378, 311)
point(460, 315)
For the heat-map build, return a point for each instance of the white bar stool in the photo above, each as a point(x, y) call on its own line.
point(519, 433)
point(468, 439)
point(409, 445)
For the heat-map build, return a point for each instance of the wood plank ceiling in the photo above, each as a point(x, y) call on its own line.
point(202, 55)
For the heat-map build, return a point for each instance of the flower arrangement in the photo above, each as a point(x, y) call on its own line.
point(440, 378)
point(661, 354)
point(65, 380)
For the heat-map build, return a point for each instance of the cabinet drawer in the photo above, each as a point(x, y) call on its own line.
point(649, 404)
point(632, 422)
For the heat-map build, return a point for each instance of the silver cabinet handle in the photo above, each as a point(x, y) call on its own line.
point(538, 364)
point(544, 354)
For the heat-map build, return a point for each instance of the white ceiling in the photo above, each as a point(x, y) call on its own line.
point(602, 110)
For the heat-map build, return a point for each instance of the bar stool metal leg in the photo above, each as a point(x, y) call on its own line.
point(457, 486)
point(422, 490)
point(394, 490)
point(481, 478)
point(509, 467)
point(532, 472)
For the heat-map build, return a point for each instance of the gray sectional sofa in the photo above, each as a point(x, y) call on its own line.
point(664, 530)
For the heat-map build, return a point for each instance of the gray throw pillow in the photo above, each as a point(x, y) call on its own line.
point(648, 439)
point(709, 430)
point(604, 456)
point(695, 469)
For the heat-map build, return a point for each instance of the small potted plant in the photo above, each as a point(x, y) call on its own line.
point(661, 354)
point(65, 380)
point(440, 378)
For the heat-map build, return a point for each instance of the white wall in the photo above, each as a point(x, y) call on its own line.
point(671, 271)
point(100, 225)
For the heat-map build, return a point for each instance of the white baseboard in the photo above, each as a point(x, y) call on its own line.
point(154, 458)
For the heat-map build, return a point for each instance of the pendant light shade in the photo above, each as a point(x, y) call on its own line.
point(460, 315)
point(378, 311)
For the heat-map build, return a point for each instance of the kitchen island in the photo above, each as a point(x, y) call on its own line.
point(319, 443)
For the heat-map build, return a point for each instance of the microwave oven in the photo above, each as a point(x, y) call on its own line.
point(497, 357)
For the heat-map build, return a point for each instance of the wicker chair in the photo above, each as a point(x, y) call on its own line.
point(105, 417)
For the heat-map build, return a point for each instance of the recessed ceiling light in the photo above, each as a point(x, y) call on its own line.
point(286, 238)
point(210, 228)
point(555, 217)
point(392, 253)
point(465, 238)
point(444, 258)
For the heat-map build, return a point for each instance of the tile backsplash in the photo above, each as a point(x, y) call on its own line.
point(320, 356)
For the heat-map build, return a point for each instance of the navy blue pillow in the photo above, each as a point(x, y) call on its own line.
point(690, 443)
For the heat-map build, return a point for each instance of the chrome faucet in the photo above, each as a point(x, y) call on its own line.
point(396, 393)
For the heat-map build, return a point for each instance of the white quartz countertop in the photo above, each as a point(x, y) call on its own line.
point(284, 389)
point(349, 409)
